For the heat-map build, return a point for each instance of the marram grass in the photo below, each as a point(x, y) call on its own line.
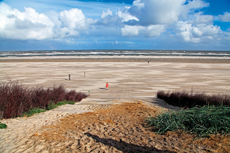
point(200, 121)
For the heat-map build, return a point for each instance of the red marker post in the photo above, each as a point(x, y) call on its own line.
point(107, 85)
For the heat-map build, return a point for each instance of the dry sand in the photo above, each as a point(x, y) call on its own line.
point(130, 80)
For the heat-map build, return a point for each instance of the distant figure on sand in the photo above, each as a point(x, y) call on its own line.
point(107, 85)
point(148, 62)
point(69, 76)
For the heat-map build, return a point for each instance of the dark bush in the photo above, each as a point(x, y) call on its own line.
point(189, 100)
point(71, 96)
point(15, 99)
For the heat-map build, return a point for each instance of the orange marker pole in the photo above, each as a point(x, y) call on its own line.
point(107, 85)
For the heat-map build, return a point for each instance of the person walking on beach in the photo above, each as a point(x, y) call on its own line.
point(107, 85)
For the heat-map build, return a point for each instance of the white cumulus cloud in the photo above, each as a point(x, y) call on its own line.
point(107, 13)
point(126, 16)
point(30, 24)
point(107, 18)
point(131, 30)
point(150, 31)
point(225, 17)
point(200, 18)
point(151, 12)
point(24, 25)
point(154, 30)
point(195, 33)
point(72, 21)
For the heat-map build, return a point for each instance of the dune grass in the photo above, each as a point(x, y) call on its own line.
point(202, 121)
point(3, 126)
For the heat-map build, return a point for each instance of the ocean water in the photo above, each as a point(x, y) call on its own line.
point(114, 53)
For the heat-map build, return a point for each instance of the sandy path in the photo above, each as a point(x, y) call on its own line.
point(132, 81)
point(21, 129)
point(116, 129)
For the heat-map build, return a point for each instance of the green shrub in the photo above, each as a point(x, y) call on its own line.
point(51, 106)
point(65, 102)
point(71, 102)
point(33, 111)
point(61, 103)
point(3, 126)
point(200, 121)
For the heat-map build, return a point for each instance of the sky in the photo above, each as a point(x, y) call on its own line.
point(114, 24)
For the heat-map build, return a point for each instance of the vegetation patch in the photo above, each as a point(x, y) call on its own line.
point(65, 102)
point(49, 107)
point(189, 100)
point(33, 111)
point(202, 121)
point(3, 126)
point(15, 99)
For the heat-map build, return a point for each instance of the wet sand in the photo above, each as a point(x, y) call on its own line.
point(130, 79)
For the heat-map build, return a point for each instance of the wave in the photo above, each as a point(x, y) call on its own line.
point(114, 53)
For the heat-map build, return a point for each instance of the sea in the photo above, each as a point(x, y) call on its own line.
point(114, 53)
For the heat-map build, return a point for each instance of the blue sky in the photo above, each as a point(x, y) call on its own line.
point(114, 24)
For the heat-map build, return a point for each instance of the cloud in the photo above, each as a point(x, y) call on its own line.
point(225, 17)
point(38, 26)
point(195, 33)
point(131, 30)
point(72, 21)
point(155, 30)
point(151, 12)
point(125, 15)
point(149, 31)
point(119, 18)
point(107, 13)
point(107, 18)
point(200, 18)
point(24, 25)
point(193, 5)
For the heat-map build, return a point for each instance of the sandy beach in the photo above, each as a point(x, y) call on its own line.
point(131, 79)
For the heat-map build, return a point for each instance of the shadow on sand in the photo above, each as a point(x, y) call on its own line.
point(126, 147)
point(161, 103)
